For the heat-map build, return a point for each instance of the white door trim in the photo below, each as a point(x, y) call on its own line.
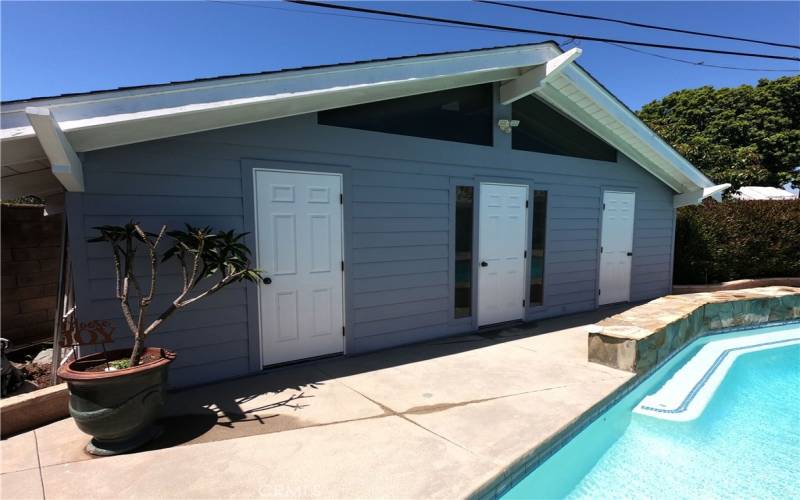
point(257, 250)
point(599, 297)
point(523, 251)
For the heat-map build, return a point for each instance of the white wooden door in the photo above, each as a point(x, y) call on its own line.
point(616, 247)
point(502, 235)
point(299, 232)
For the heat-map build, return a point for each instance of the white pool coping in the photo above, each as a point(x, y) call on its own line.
point(684, 397)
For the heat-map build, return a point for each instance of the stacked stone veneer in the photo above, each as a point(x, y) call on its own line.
point(642, 337)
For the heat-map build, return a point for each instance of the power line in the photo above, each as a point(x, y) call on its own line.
point(335, 14)
point(638, 25)
point(701, 63)
point(513, 29)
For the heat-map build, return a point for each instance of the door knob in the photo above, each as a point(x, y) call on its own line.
point(484, 264)
point(630, 254)
point(267, 281)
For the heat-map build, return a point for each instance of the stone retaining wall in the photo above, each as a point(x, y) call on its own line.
point(642, 337)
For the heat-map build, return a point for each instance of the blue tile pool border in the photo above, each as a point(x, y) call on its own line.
point(521, 468)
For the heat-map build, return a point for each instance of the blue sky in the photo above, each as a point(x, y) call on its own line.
point(51, 48)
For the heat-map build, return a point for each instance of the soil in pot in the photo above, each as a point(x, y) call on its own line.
point(117, 408)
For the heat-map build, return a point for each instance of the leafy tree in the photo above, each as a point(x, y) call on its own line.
point(745, 135)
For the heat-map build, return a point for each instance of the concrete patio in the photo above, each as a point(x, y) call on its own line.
point(438, 419)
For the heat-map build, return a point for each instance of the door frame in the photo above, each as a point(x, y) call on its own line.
point(615, 189)
point(253, 291)
point(528, 185)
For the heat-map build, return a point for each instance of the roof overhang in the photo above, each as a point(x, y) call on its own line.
point(114, 118)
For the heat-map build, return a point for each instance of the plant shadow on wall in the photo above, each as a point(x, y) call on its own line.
point(116, 396)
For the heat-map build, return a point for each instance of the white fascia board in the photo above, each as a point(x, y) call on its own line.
point(301, 91)
point(533, 79)
point(668, 159)
point(695, 197)
point(97, 133)
point(64, 162)
point(569, 108)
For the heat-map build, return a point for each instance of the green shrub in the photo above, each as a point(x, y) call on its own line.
point(717, 242)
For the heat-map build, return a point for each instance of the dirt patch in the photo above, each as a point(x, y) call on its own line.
point(147, 357)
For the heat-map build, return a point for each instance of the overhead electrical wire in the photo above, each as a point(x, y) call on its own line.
point(456, 26)
point(261, 5)
point(633, 23)
point(514, 29)
point(701, 63)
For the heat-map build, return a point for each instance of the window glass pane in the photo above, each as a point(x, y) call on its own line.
point(537, 247)
point(460, 115)
point(463, 264)
point(542, 129)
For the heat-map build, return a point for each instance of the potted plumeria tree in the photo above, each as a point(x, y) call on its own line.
point(116, 396)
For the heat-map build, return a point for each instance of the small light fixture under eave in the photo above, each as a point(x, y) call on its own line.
point(64, 162)
point(506, 125)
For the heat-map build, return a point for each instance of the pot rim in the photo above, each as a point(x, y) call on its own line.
point(68, 373)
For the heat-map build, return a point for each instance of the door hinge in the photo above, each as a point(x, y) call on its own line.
point(526, 203)
point(342, 265)
point(525, 254)
point(341, 199)
point(598, 291)
point(342, 331)
point(604, 206)
point(523, 302)
point(601, 249)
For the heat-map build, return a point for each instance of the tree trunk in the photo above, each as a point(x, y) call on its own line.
point(138, 350)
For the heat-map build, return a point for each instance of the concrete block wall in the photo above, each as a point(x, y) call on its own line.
point(31, 243)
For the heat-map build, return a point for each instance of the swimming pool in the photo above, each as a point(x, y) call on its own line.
point(744, 444)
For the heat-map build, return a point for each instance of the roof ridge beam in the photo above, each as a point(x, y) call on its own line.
point(535, 78)
point(64, 162)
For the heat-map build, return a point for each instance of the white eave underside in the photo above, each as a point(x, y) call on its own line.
point(129, 116)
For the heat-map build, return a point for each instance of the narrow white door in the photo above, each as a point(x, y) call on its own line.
point(616, 247)
point(502, 234)
point(299, 232)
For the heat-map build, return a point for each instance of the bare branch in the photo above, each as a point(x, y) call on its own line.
point(117, 270)
point(217, 287)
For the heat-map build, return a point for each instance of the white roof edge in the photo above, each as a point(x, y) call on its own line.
point(113, 118)
point(605, 99)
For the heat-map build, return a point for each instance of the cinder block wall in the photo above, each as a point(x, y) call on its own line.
point(31, 243)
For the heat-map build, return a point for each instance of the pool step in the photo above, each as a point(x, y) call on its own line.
point(686, 394)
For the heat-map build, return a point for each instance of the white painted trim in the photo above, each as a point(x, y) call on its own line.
point(695, 197)
point(114, 118)
point(535, 78)
point(64, 162)
point(102, 108)
point(628, 131)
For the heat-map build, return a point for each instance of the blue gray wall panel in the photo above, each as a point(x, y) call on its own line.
point(398, 239)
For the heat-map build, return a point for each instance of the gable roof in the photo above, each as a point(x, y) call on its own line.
point(102, 119)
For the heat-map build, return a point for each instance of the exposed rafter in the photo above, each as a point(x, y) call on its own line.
point(533, 79)
point(64, 162)
point(695, 197)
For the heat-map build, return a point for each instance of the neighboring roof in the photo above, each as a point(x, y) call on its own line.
point(103, 119)
point(763, 193)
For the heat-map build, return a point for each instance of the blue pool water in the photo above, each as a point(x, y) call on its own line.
point(746, 444)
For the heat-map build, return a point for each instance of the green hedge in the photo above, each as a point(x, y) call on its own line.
point(717, 242)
